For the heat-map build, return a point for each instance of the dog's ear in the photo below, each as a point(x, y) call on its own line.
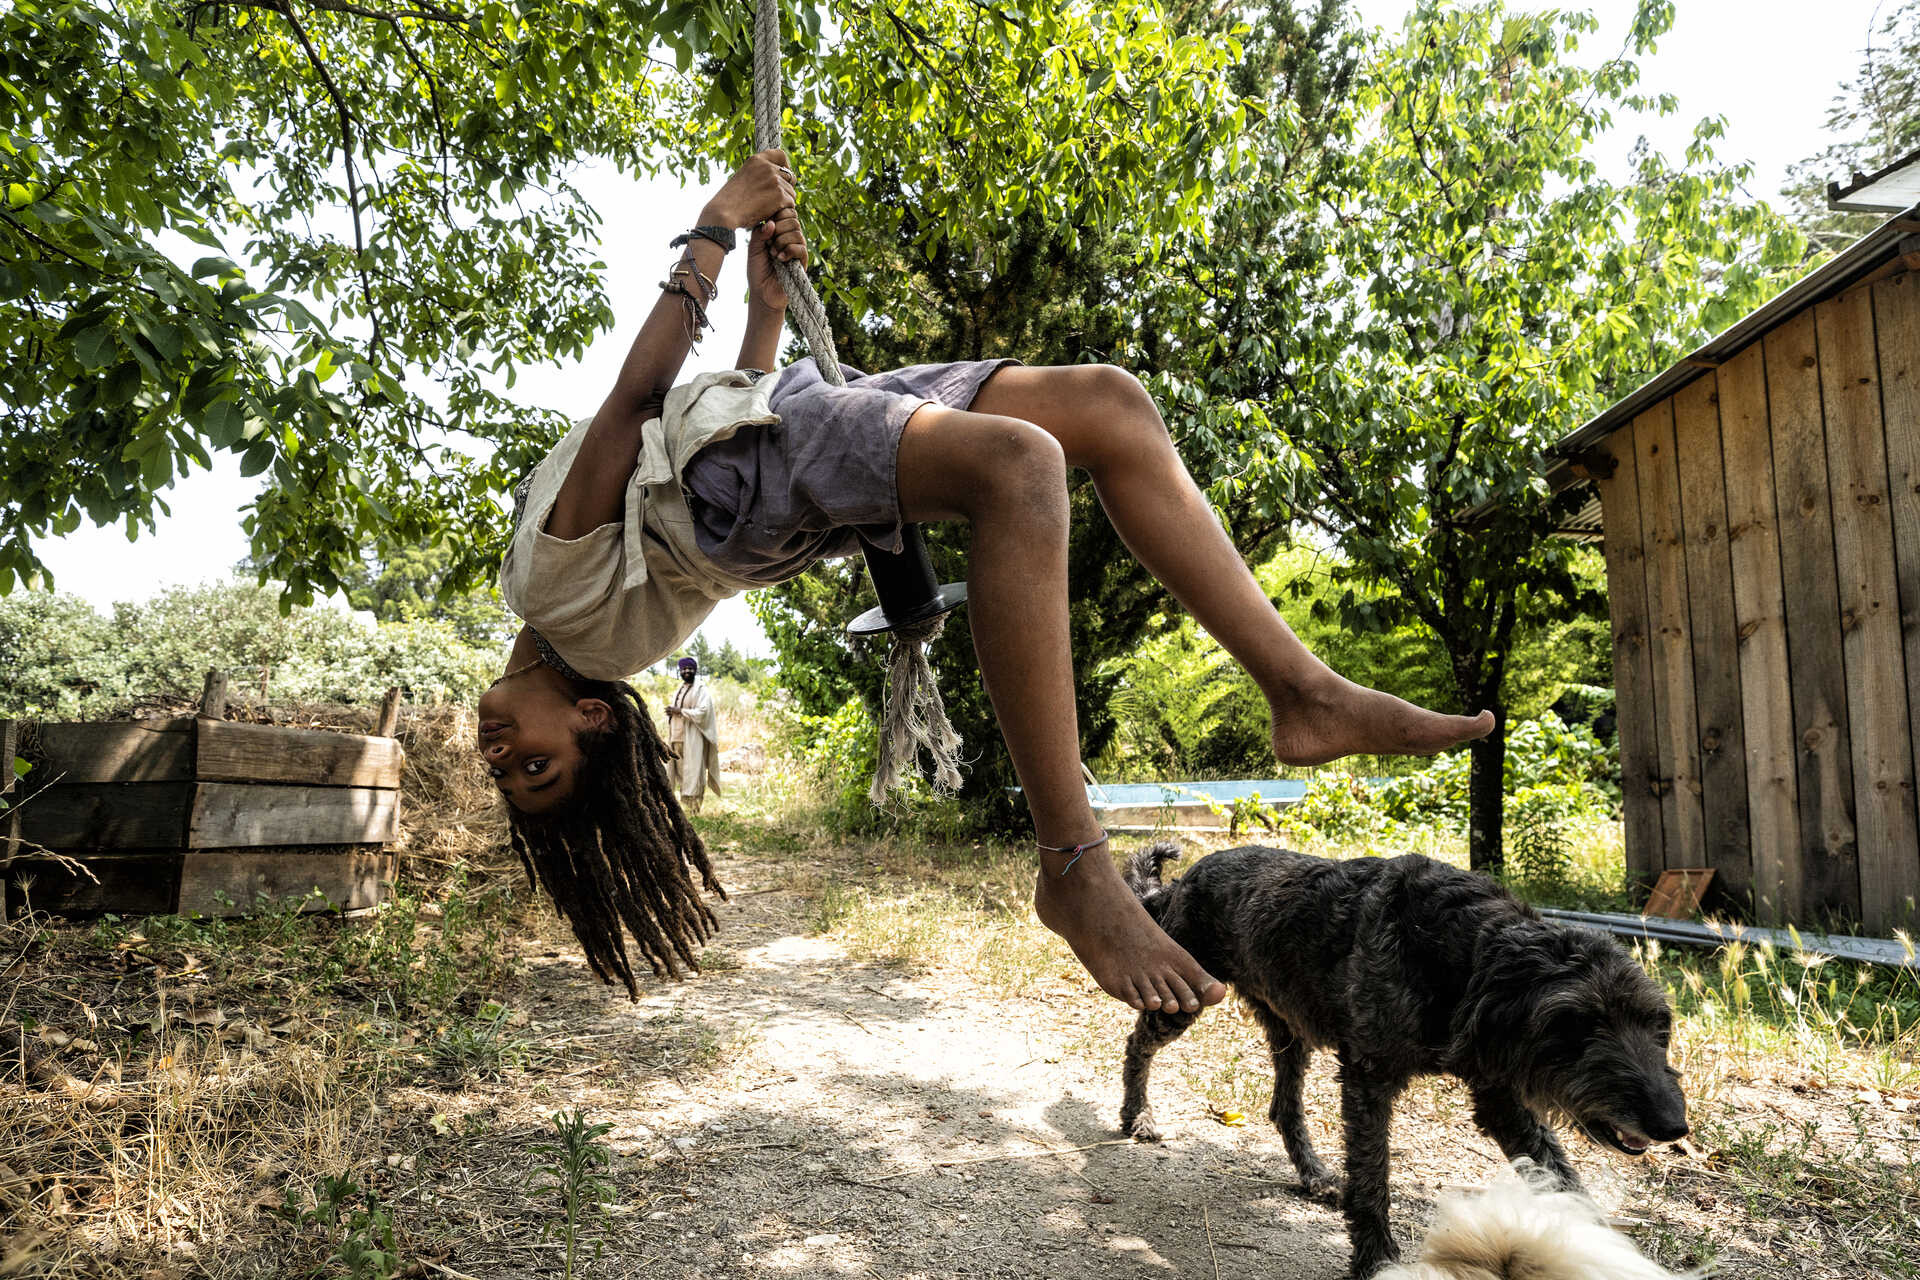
point(1512, 969)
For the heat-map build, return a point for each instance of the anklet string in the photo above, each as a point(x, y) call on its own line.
point(1075, 849)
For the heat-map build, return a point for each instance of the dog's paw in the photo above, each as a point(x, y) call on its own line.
point(1141, 1128)
point(1371, 1256)
point(1323, 1186)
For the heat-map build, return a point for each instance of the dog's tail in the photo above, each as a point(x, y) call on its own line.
point(1521, 1225)
point(1143, 869)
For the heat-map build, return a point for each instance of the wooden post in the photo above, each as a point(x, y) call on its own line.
point(213, 698)
point(389, 714)
point(9, 748)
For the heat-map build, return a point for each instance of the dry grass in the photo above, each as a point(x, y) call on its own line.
point(1803, 1073)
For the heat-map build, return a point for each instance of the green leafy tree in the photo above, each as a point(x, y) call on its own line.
point(1480, 287)
point(1023, 283)
point(411, 585)
point(324, 236)
point(1874, 120)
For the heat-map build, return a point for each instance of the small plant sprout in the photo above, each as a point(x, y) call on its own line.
point(575, 1171)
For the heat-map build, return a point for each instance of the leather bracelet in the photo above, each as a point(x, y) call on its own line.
point(722, 236)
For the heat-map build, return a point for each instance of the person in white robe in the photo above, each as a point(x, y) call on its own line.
point(693, 731)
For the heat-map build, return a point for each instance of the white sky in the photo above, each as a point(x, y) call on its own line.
point(1766, 65)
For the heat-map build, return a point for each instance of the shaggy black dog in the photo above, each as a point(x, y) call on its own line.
point(1404, 967)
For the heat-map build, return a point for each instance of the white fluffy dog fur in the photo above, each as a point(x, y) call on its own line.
point(1521, 1229)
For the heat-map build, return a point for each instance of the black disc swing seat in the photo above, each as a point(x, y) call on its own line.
point(913, 602)
point(910, 595)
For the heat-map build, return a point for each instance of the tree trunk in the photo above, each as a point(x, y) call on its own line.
point(1487, 797)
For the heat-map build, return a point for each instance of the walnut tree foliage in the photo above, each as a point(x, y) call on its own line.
point(1466, 287)
point(324, 235)
point(1018, 283)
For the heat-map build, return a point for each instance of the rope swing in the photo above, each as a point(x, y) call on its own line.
point(913, 605)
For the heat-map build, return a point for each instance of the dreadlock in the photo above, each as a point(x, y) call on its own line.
point(621, 851)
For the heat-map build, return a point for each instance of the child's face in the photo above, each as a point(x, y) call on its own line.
point(527, 739)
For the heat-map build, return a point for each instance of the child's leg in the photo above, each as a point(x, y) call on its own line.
point(1008, 479)
point(1107, 423)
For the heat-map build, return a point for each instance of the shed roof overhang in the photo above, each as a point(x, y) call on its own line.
point(1887, 190)
point(1892, 245)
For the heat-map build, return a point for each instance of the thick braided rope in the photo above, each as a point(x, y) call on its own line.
point(914, 718)
point(803, 304)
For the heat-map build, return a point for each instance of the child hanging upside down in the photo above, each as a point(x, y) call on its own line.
point(673, 497)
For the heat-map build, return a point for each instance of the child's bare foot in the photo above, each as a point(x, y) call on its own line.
point(1114, 937)
point(1335, 717)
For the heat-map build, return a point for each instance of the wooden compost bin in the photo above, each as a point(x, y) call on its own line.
point(199, 815)
point(1761, 516)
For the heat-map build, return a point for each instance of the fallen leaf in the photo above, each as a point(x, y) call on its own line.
point(441, 1125)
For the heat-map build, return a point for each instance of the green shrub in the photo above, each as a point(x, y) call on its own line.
point(59, 659)
point(1336, 806)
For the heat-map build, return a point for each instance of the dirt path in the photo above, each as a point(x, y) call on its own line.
point(806, 1115)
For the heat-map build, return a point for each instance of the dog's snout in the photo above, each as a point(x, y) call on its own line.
point(1667, 1117)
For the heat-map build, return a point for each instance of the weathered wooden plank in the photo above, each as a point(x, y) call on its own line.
point(107, 815)
point(230, 814)
point(1760, 616)
point(1797, 431)
point(227, 882)
point(228, 751)
point(120, 751)
point(1632, 664)
point(213, 696)
point(1670, 631)
point(126, 883)
point(1870, 613)
point(389, 722)
point(1896, 314)
point(1715, 640)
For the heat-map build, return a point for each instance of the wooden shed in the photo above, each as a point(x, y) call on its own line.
point(1759, 503)
point(197, 815)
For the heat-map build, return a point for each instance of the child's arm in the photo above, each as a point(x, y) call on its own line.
point(595, 488)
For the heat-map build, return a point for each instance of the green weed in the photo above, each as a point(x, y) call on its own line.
point(575, 1173)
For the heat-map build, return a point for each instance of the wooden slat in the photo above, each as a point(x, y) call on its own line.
point(1632, 665)
point(1829, 868)
point(389, 722)
point(1715, 640)
point(1896, 314)
point(128, 883)
point(1681, 817)
point(226, 882)
point(229, 751)
point(122, 751)
point(1870, 613)
point(1759, 611)
point(108, 815)
point(229, 814)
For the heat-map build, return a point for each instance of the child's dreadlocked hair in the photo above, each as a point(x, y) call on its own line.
point(620, 851)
